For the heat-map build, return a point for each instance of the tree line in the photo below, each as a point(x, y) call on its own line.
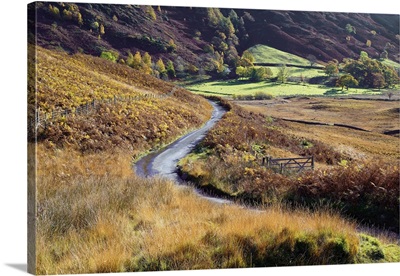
point(363, 72)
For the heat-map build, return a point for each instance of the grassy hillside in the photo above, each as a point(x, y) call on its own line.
point(266, 54)
point(65, 82)
point(391, 63)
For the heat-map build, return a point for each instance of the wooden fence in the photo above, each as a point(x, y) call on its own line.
point(40, 119)
point(289, 164)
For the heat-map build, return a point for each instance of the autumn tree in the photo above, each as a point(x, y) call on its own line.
point(364, 68)
point(214, 15)
point(331, 69)
point(346, 81)
point(135, 61)
point(378, 80)
point(363, 56)
point(147, 59)
point(234, 18)
point(171, 45)
point(101, 29)
point(259, 74)
point(247, 59)
point(283, 74)
point(161, 68)
point(54, 10)
point(95, 25)
point(150, 11)
point(312, 59)
point(170, 69)
point(242, 72)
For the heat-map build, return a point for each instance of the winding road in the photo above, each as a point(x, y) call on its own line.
point(164, 162)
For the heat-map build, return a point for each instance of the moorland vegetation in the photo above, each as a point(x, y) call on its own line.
point(93, 214)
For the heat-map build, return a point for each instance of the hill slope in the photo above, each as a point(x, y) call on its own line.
point(265, 54)
point(130, 109)
point(184, 35)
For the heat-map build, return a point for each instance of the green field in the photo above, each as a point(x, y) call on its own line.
point(391, 63)
point(297, 72)
point(236, 87)
point(266, 54)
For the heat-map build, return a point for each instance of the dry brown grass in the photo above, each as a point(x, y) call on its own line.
point(95, 215)
point(357, 172)
point(377, 116)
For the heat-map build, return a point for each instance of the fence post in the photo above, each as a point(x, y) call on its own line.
point(312, 162)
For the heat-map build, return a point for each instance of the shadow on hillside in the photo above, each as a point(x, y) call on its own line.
point(232, 82)
point(334, 91)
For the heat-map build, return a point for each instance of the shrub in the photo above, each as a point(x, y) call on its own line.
point(262, 96)
point(95, 25)
point(171, 45)
point(346, 81)
point(67, 14)
point(101, 29)
point(170, 69)
point(193, 69)
point(110, 55)
point(150, 11)
point(54, 10)
point(259, 74)
point(331, 69)
point(283, 74)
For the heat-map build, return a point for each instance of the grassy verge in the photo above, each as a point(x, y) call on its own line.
point(94, 215)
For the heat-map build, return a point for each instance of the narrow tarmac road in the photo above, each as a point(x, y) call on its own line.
point(163, 162)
